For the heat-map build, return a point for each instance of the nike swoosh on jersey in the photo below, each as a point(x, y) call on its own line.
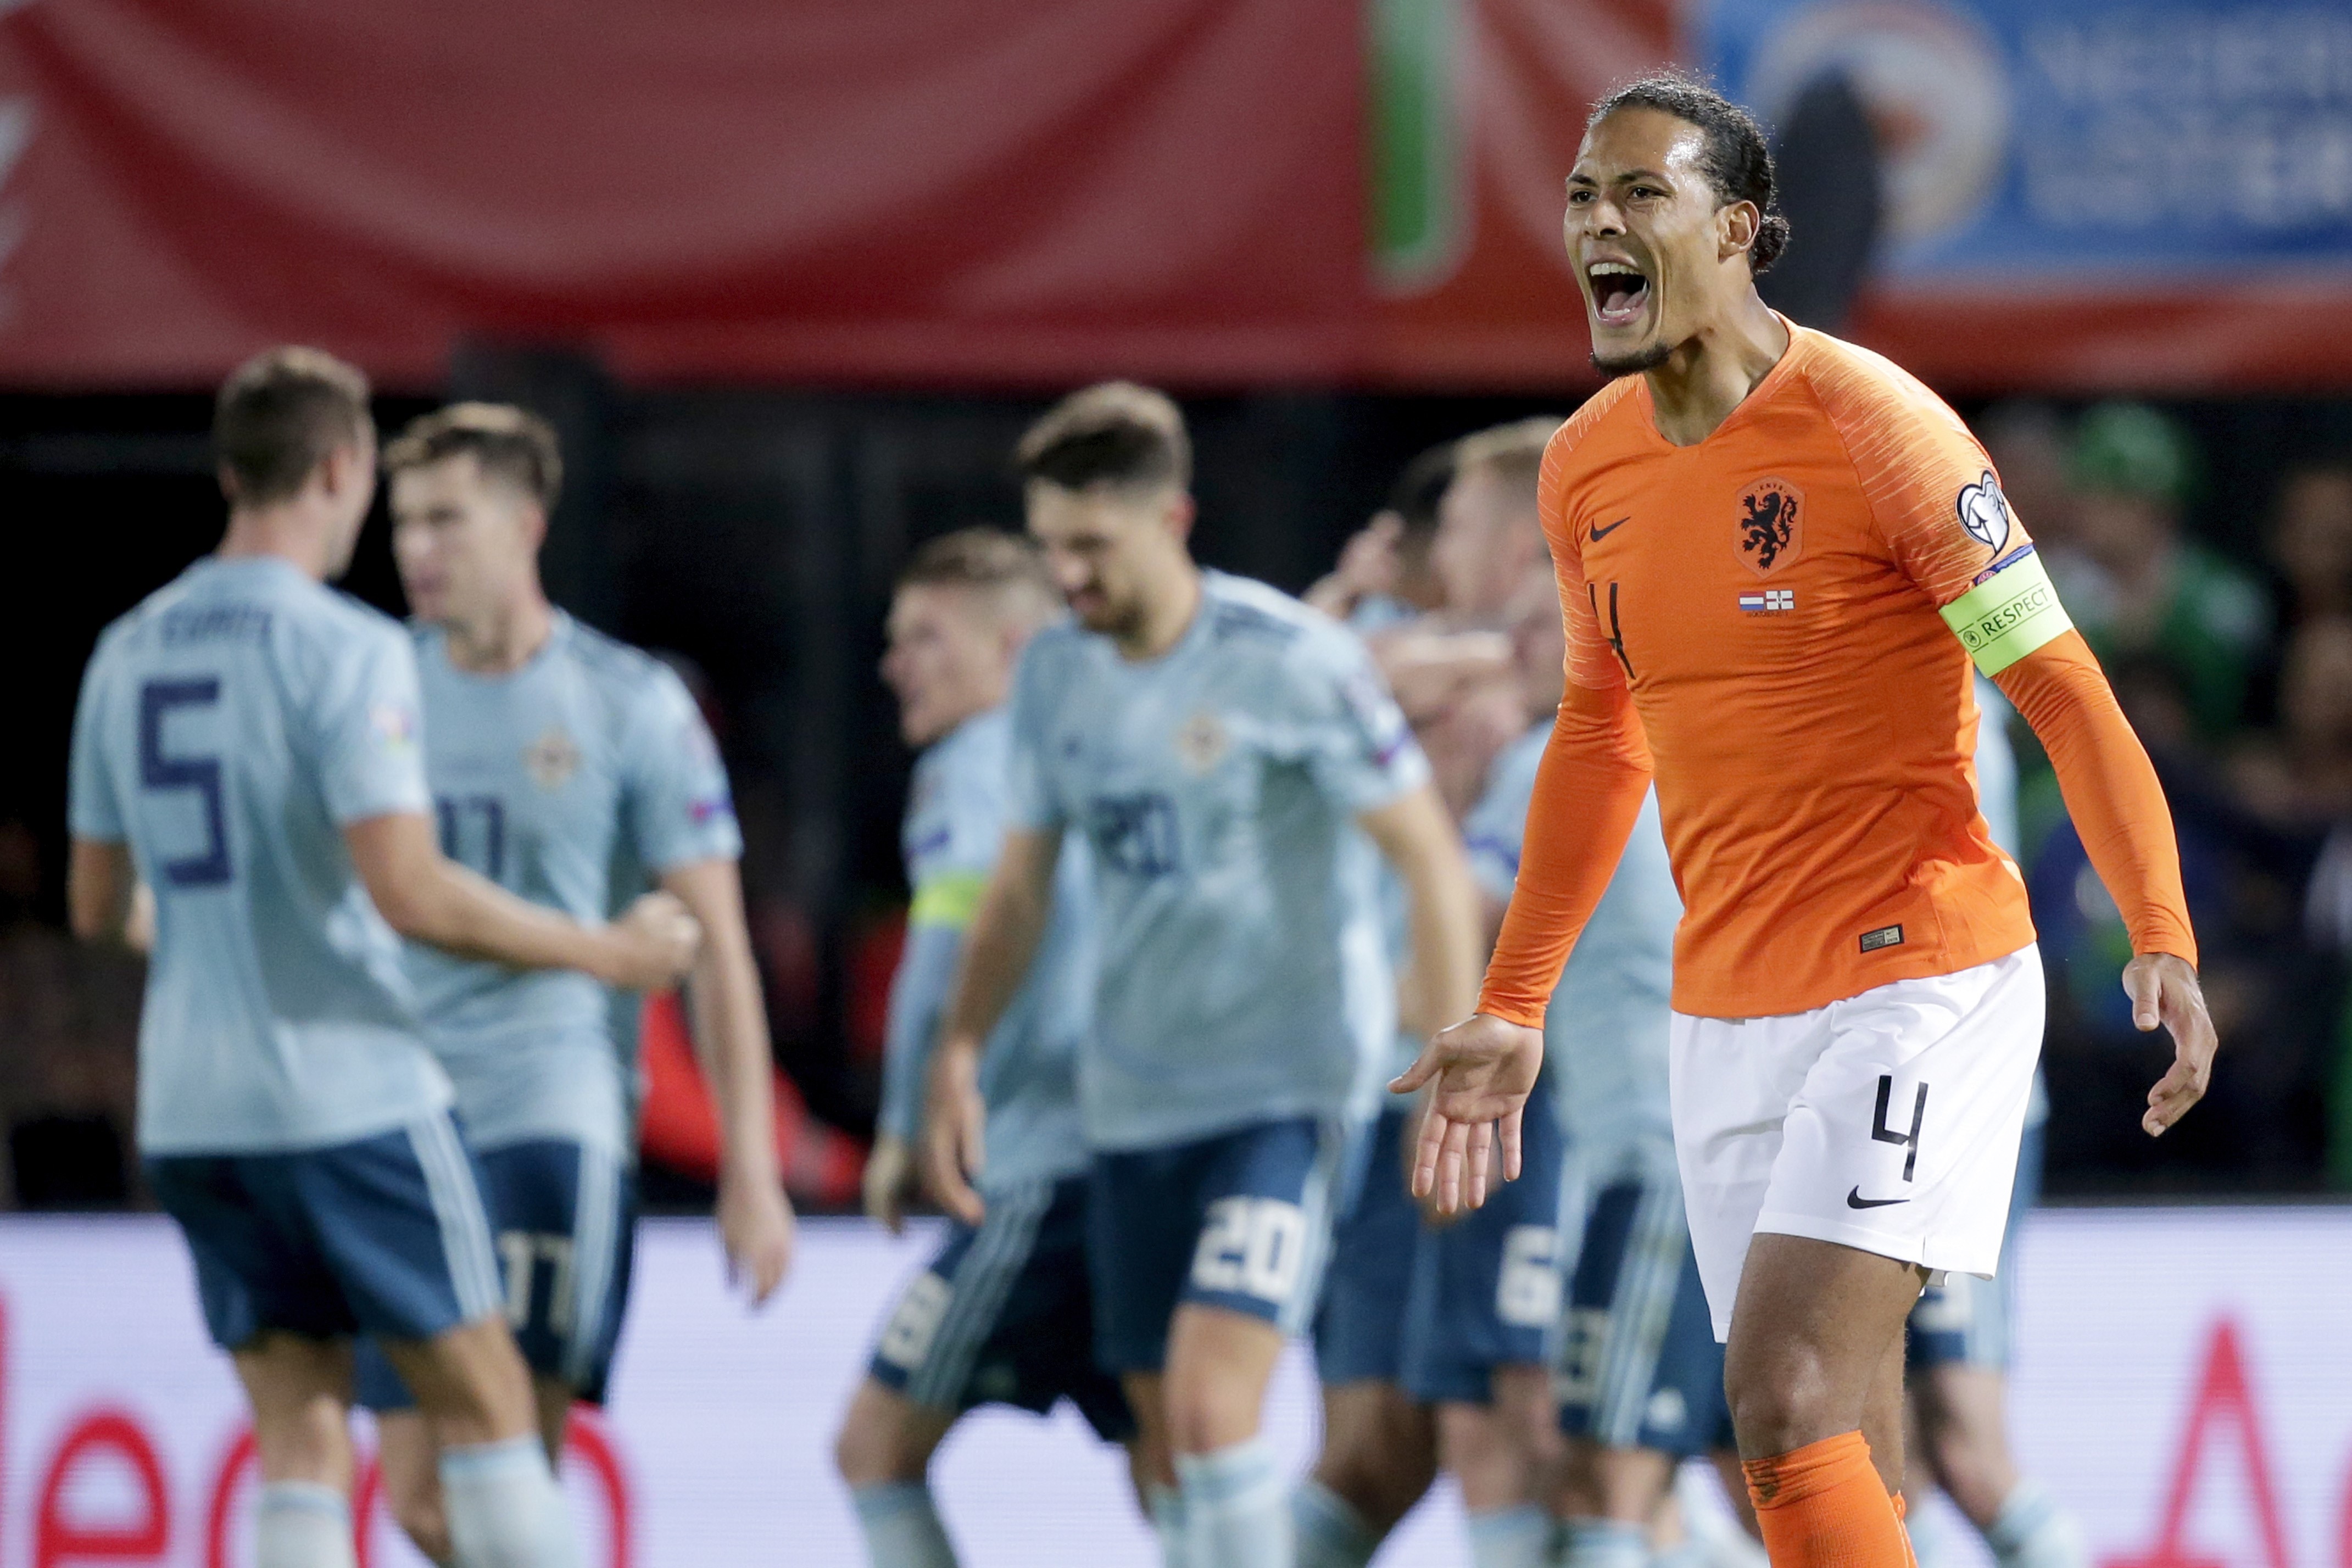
point(1856, 1200)
point(1600, 533)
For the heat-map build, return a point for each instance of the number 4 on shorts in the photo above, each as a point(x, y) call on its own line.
point(1881, 1133)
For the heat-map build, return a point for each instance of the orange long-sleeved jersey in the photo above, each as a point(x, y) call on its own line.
point(1755, 621)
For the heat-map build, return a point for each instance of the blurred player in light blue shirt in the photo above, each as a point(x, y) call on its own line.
point(1231, 758)
point(248, 747)
point(1432, 1340)
point(956, 809)
point(1486, 1287)
point(1004, 1313)
point(1378, 1452)
point(1638, 1377)
point(572, 770)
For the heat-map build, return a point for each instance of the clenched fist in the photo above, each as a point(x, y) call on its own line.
point(651, 946)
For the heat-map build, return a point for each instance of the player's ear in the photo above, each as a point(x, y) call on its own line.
point(1737, 223)
point(339, 470)
point(227, 477)
point(1181, 512)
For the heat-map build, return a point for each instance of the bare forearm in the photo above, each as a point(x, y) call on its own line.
point(731, 1041)
point(1490, 923)
point(429, 899)
point(99, 882)
point(1445, 927)
point(730, 1018)
point(468, 914)
point(1442, 911)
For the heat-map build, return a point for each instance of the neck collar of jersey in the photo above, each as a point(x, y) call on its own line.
point(1781, 370)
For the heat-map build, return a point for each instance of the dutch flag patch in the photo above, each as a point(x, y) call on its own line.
point(1769, 600)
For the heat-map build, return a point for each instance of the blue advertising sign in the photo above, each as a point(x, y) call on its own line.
point(2136, 140)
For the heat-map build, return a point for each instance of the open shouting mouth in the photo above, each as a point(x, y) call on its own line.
point(1620, 292)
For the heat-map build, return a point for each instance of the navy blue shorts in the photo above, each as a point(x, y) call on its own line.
point(1241, 1220)
point(1639, 1366)
point(564, 1216)
point(1964, 1321)
point(1360, 1329)
point(1005, 1315)
point(384, 1236)
point(1485, 1289)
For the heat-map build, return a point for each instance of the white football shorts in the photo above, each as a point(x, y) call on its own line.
point(1888, 1121)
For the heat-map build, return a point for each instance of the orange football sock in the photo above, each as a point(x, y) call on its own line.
point(1903, 1518)
point(1823, 1506)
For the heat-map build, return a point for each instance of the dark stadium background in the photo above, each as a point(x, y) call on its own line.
point(753, 533)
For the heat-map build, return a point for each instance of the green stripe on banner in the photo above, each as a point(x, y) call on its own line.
point(2006, 617)
point(1416, 201)
point(951, 900)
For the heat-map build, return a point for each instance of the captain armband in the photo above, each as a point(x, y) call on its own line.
point(950, 899)
point(2012, 609)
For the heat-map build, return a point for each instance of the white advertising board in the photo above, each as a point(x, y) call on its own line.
point(2182, 1384)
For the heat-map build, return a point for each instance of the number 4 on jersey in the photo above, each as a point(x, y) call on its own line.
point(1616, 627)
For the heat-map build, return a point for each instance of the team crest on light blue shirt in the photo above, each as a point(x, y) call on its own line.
point(1244, 976)
point(572, 781)
point(551, 760)
point(1202, 742)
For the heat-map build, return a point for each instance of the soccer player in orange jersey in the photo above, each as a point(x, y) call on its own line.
point(1778, 555)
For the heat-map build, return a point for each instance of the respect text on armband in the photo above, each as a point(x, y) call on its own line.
point(1990, 627)
point(2013, 610)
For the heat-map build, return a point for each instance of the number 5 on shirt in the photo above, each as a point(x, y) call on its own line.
point(159, 771)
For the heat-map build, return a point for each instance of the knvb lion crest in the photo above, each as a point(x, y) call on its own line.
point(1771, 527)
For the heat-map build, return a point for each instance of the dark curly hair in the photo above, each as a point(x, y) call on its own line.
point(1736, 160)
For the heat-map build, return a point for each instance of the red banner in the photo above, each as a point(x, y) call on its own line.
point(985, 193)
point(1473, 282)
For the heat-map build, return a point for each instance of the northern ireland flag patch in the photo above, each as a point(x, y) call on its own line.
point(1768, 600)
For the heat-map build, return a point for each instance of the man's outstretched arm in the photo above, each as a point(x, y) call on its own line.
point(997, 952)
point(1949, 529)
point(2119, 810)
